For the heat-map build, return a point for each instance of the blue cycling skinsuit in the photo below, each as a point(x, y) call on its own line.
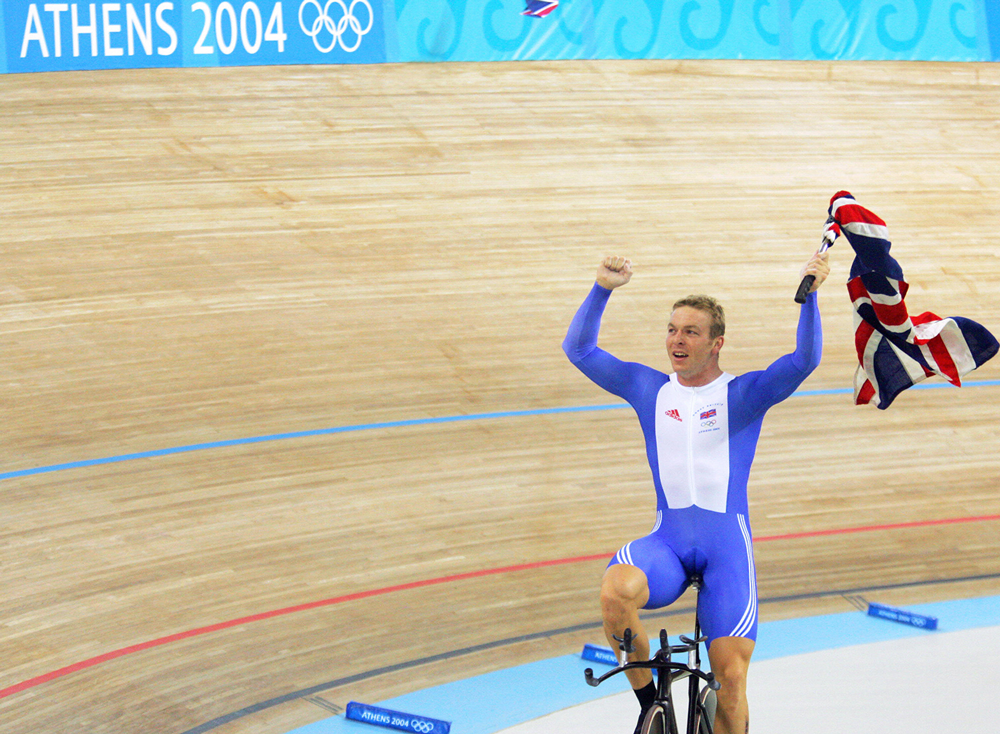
point(700, 443)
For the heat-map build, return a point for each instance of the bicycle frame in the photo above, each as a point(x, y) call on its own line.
point(668, 672)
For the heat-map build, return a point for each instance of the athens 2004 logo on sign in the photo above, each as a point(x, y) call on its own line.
point(336, 23)
point(421, 726)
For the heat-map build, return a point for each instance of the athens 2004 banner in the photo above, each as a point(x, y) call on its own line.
point(61, 35)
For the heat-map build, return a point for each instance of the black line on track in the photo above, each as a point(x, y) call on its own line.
point(312, 690)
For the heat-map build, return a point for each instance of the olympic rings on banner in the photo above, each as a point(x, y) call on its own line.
point(337, 29)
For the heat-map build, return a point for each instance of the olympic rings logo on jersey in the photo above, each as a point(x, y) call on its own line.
point(337, 29)
point(706, 424)
point(424, 727)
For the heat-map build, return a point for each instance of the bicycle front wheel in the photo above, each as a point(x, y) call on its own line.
point(705, 716)
point(658, 721)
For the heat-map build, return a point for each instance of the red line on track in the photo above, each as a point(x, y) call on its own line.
point(875, 528)
point(160, 641)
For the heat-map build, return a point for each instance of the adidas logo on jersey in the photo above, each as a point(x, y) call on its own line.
point(675, 414)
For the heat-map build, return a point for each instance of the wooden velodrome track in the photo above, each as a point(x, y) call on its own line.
point(193, 257)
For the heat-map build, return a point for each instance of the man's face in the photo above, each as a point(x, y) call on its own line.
point(693, 353)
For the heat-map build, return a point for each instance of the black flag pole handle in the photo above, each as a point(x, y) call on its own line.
point(804, 286)
point(829, 235)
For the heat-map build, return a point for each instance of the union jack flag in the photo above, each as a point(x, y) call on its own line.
point(895, 350)
point(540, 8)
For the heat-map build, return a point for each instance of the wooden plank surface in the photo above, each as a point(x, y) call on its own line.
point(204, 256)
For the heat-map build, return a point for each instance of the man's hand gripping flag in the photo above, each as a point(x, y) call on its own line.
point(895, 350)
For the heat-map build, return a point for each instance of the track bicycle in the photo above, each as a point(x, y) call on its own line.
point(661, 718)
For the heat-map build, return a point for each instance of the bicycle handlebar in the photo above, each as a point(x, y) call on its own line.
point(660, 661)
point(657, 664)
point(626, 639)
point(688, 645)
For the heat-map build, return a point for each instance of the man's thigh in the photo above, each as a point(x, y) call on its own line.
point(665, 574)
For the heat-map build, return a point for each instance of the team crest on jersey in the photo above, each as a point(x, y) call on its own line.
point(709, 418)
point(674, 413)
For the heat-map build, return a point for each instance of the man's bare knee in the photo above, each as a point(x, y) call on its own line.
point(733, 674)
point(615, 601)
point(733, 689)
point(623, 592)
point(730, 659)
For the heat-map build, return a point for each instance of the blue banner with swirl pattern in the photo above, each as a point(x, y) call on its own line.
point(60, 35)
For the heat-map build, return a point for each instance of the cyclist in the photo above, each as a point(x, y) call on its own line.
point(701, 427)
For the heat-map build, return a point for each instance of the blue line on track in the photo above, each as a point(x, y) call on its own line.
point(390, 424)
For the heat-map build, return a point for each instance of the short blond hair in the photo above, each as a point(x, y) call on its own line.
point(710, 306)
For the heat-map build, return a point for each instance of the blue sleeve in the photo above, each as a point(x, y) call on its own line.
point(808, 337)
point(777, 382)
point(581, 339)
point(624, 379)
